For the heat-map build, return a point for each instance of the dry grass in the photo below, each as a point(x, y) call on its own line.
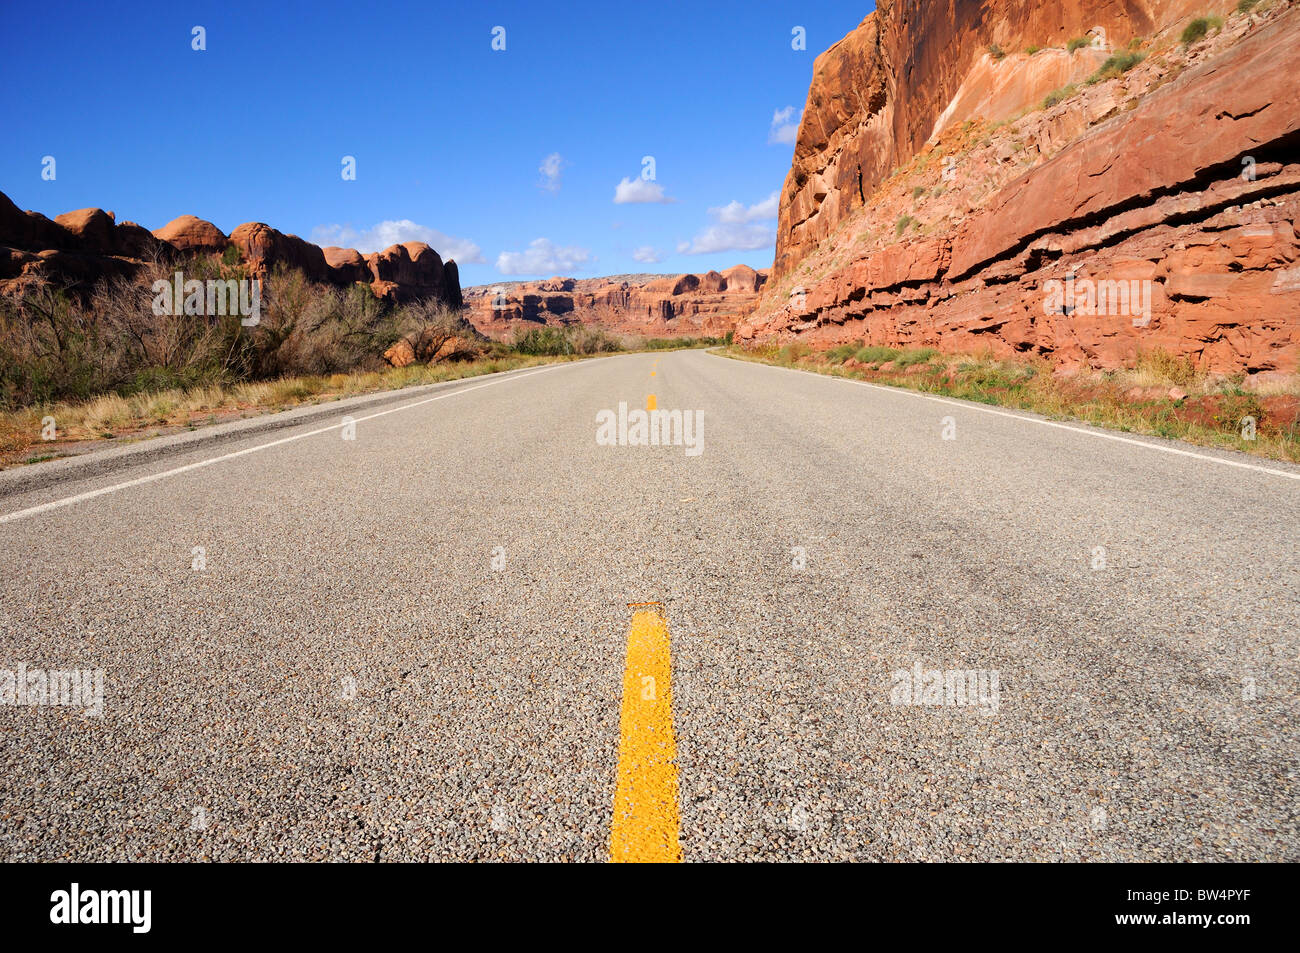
point(141, 414)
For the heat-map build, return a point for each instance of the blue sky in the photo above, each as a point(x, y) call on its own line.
point(507, 160)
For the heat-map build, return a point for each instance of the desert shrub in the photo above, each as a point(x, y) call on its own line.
point(542, 341)
point(876, 355)
point(1245, 6)
point(1059, 95)
point(838, 355)
point(1032, 49)
point(1159, 366)
point(1199, 28)
point(1116, 66)
point(792, 353)
point(903, 224)
point(589, 340)
point(1079, 42)
point(920, 355)
point(60, 346)
point(996, 51)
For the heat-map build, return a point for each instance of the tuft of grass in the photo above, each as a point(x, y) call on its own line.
point(917, 192)
point(1032, 49)
point(838, 355)
point(1078, 43)
point(876, 355)
point(1160, 368)
point(1116, 66)
point(912, 356)
point(1059, 95)
point(1245, 6)
point(996, 51)
point(903, 224)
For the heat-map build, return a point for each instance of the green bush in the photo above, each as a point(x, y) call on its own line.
point(1116, 66)
point(903, 224)
point(1078, 43)
point(1199, 28)
point(545, 340)
point(1031, 50)
point(1245, 6)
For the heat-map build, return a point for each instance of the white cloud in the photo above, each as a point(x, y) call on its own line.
point(785, 126)
point(543, 257)
point(736, 213)
point(551, 168)
point(631, 191)
point(647, 254)
point(736, 227)
point(389, 233)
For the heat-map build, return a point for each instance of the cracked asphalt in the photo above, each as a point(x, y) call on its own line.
point(410, 646)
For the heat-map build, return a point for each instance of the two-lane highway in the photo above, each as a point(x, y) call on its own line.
point(892, 627)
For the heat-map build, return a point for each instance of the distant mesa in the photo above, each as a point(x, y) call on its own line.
point(685, 305)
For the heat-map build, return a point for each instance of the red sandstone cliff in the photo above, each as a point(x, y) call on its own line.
point(1180, 174)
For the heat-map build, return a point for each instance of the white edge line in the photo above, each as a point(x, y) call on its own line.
point(139, 481)
point(971, 405)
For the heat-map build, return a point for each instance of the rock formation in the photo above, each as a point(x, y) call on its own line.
point(651, 305)
point(984, 209)
point(79, 248)
point(189, 233)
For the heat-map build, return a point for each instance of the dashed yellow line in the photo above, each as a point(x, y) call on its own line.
point(651, 402)
point(646, 813)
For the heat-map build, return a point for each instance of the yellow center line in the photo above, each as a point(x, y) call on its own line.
point(646, 816)
point(651, 402)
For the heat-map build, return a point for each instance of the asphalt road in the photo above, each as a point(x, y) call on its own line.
point(347, 676)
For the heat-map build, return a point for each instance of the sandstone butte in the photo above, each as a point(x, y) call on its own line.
point(935, 196)
point(79, 248)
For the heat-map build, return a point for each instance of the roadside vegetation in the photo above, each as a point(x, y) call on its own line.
point(102, 365)
point(1160, 396)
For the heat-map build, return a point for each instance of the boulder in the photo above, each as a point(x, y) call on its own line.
point(191, 234)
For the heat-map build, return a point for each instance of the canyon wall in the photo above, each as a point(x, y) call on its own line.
point(707, 305)
point(876, 95)
point(1151, 206)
